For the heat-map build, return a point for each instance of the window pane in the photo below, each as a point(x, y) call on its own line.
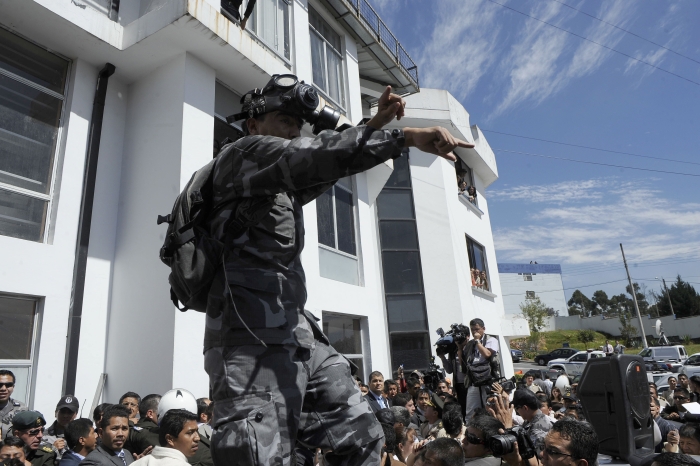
point(345, 183)
point(398, 234)
point(283, 28)
point(324, 29)
point(401, 272)
point(412, 350)
point(395, 204)
point(359, 362)
point(343, 333)
point(29, 121)
point(338, 267)
point(324, 215)
point(16, 327)
point(406, 313)
point(31, 62)
point(345, 217)
point(335, 77)
point(318, 62)
point(223, 130)
point(22, 216)
point(268, 13)
point(401, 176)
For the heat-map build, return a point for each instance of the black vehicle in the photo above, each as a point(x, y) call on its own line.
point(543, 359)
point(516, 354)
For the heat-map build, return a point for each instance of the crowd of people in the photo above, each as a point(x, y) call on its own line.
point(455, 421)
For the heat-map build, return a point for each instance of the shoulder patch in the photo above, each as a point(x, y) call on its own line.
point(138, 428)
point(47, 449)
point(16, 403)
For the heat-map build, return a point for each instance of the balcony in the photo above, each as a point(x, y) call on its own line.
point(382, 58)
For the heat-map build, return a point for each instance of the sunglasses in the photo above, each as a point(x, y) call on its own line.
point(7, 384)
point(680, 398)
point(551, 452)
point(474, 440)
point(35, 432)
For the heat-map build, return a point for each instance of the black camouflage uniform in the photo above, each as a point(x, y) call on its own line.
point(297, 388)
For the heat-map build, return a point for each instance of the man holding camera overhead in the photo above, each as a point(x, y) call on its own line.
point(480, 354)
point(453, 362)
point(274, 377)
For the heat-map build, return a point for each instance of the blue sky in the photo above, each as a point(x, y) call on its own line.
point(519, 76)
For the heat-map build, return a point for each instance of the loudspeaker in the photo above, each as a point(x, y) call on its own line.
point(614, 394)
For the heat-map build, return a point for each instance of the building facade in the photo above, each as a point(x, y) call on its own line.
point(524, 282)
point(84, 299)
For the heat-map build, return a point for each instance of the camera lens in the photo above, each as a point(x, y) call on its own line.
point(502, 444)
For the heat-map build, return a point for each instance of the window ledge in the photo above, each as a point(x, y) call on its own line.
point(472, 207)
point(488, 294)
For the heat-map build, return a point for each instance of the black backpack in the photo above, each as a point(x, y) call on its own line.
point(193, 255)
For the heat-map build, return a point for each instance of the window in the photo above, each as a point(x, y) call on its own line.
point(335, 211)
point(32, 88)
point(401, 267)
point(17, 332)
point(326, 59)
point(465, 180)
point(527, 277)
point(226, 103)
point(477, 265)
point(345, 336)
point(270, 22)
point(529, 295)
point(579, 358)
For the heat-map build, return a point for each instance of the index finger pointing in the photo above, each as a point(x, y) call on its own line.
point(465, 144)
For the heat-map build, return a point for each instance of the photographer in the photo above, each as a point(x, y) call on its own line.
point(475, 444)
point(453, 363)
point(536, 423)
point(479, 354)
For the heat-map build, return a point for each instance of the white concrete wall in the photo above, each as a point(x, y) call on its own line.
point(547, 286)
point(671, 325)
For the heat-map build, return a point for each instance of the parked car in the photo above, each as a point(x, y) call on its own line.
point(516, 354)
point(673, 356)
point(575, 364)
point(691, 366)
point(561, 353)
point(552, 373)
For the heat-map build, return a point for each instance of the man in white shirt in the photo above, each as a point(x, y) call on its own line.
point(478, 352)
point(608, 348)
point(178, 439)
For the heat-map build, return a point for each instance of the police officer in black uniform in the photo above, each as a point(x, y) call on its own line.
point(29, 426)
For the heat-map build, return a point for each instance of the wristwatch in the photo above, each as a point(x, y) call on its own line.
point(399, 136)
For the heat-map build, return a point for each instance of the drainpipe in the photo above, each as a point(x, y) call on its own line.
point(83, 241)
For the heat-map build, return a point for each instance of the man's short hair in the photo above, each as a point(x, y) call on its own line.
point(389, 438)
point(478, 322)
point(75, 429)
point(690, 430)
point(13, 441)
point(388, 383)
point(201, 407)
point(452, 421)
point(402, 399)
point(583, 441)
point(130, 395)
point(695, 379)
point(656, 402)
point(9, 373)
point(172, 424)
point(448, 451)
point(449, 398)
point(401, 415)
point(683, 391)
point(99, 411)
point(210, 409)
point(149, 403)
point(423, 391)
point(487, 424)
point(374, 374)
point(674, 459)
point(114, 411)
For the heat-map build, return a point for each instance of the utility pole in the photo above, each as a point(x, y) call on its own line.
point(668, 295)
point(634, 298)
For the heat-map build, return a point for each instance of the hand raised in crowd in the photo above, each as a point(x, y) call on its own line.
point(501, 411)
point(389, 106)
point(147, 451)
point(673, 437)
point(399, 371)
point(59, 444)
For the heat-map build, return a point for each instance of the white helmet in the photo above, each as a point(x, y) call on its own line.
point(562, 384)
point(177, 398)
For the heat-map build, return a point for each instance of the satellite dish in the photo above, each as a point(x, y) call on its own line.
point(659, 328)
point(663, 341)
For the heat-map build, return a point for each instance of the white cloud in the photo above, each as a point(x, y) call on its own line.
point(651, 226)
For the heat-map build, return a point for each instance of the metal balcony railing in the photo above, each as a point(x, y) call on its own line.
point(385, 37)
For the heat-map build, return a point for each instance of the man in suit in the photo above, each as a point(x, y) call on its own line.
point(113, 431)
point(81, 439)
point(375, 396)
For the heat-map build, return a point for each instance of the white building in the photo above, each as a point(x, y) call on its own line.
point(387, 262)
point(522, 282)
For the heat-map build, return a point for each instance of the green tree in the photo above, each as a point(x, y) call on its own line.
point(600, 299)
point(641, 298)
point(685, 299)
point(585, 337)
point(580, 305)
point(535, 312)
point(628, 330)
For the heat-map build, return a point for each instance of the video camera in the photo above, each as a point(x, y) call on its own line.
point(501, 445)
point(433, 375)
point(447, 344)
point(506, 384)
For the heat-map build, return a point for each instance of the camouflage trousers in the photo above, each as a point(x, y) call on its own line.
point(267, 399)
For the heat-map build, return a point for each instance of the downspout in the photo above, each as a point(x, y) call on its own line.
point(83, 241)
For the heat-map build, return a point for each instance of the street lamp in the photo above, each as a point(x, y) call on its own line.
point(668, 295)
